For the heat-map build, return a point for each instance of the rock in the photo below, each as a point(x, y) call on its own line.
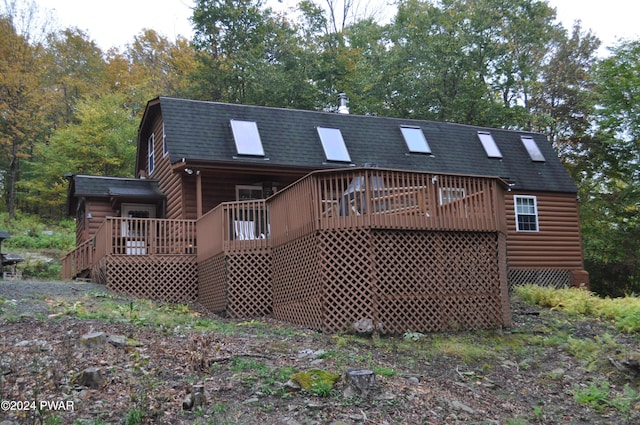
point(364, 325)
point(457, 405)
point(305, 353)
point(292, 386)
point(121, 341)
point(413, 379)
point(90, 377)
point(42, 345)
point(187, 403)
point(93, 338)
point(315, 379)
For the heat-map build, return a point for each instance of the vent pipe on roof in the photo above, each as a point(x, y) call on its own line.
point(343, 108)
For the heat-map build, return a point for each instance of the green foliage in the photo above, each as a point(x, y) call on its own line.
point(623, 312)
point(599, 397)
point(384, 371)
point(318, 382)
point(134, 417)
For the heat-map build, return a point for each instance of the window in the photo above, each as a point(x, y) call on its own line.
point(247, 138)
point(450, 194)
point(416, 142)
point(526, 213)
point(247, 193)
point(532, 148)
point(489, 145)
point(151, 153)
point(165, 150)
point(333, 144)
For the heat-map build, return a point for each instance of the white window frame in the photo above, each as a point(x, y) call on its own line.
point(241, 187)
point(165, 150)
point(489, 144)
point(519, 213)
point(151, 153)
point(247, 138)
point(335, 149)
point(532, 148)
point(450, 194)
point(415, 139)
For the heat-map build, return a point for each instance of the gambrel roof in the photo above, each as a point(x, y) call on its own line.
point(201, 131)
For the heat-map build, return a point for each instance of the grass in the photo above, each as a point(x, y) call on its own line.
point(624, 312)
point(471, 355)
point(30, 236)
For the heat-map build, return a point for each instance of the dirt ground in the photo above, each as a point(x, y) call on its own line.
point(528, 374)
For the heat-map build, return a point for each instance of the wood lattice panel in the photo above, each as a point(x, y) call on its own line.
point(212, 291)
point(248, 286)
point(297, 283)
point(398, 280)
point(172, 278)
point(554, 278)
point(346, 269)
point(431, 281)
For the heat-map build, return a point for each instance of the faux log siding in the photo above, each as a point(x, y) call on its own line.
point(168, 181)
point(99, 210)
point(189, 200)
point(557, 244)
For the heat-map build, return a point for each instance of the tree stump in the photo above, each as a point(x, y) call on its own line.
point(359, 382)
point(90, 377)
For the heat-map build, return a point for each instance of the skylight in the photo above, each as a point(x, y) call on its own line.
point(416, 142)
point(533, 149)
point(247, 138)
point(489, 145)
point(333, 144)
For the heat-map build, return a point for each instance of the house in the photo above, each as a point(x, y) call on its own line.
point(329, 219)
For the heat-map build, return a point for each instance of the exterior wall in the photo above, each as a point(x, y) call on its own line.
point(99, 210)
point(169, 182)
point(552, 255)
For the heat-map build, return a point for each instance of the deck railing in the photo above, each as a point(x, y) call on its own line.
point(132, 236)
point(322, 200)
point(234, 227)
point(381, 198)
point(78, 260)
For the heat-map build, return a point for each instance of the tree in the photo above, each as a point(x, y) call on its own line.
point(159, 66)
point(562, 102)
point(21, 98)
point(229, 36)
point(74, 68)
point(610, 176)
point(102, 142)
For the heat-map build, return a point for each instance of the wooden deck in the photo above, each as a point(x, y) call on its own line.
point(390, 247)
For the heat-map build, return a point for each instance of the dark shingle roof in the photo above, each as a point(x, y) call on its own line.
point(198, 130)
point(109, 187)
point(89, 186)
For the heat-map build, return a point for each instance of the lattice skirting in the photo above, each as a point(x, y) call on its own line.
point(394, 280)
point(298, 283)
point(172, 278)
point(212, 284)
point(554, 278)
point(237, 284)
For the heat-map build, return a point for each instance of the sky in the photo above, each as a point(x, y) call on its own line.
point(114, 23)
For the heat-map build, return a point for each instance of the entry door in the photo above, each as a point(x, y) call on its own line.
point(130, 229)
